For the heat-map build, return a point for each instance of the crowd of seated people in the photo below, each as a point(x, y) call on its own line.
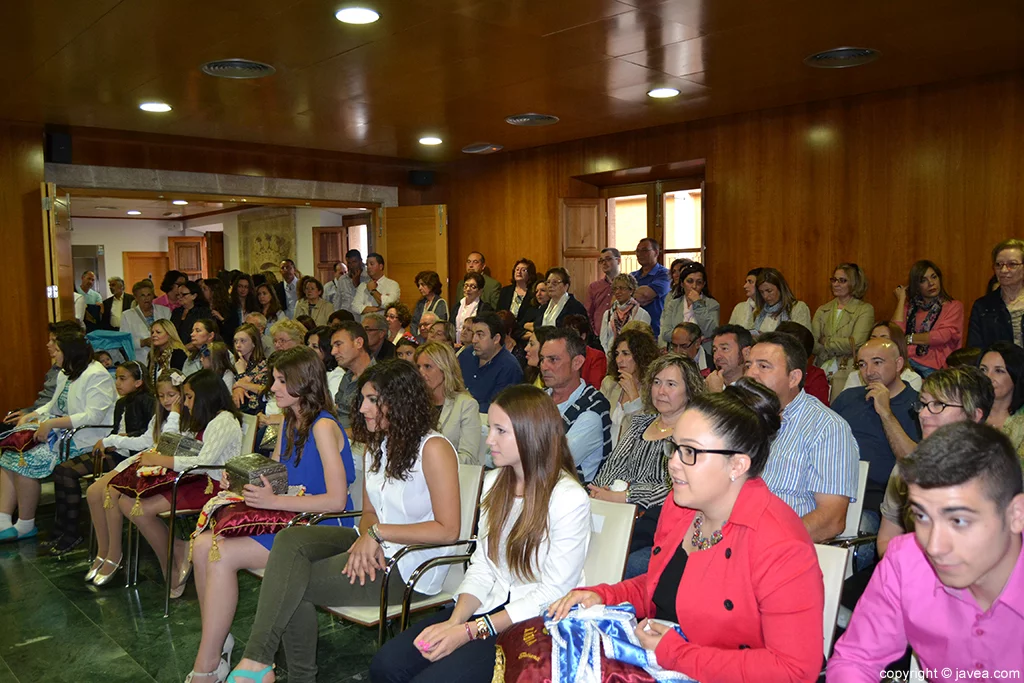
point(736, 440)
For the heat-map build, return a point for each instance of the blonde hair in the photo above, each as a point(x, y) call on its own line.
point(172, 332)
point(295, 330)
point(442, 356)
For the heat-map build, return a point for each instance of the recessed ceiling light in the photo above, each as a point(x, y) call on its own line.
point(180, 202)
point(842, 58)
point(662, 93)
point(157, 107)
point(430, 140)
point(134, 212)
point(105, 208)
point(357, 15)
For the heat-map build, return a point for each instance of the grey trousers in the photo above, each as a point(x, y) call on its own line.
point(304, 570)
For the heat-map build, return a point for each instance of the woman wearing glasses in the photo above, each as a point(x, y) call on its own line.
point(997, 315)
point(842, 325)
point(624, 309)
point(732, 564)
point(561, 302)
point(471, 305)
point(932, 320)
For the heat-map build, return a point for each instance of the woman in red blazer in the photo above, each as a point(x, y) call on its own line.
point(732, 564)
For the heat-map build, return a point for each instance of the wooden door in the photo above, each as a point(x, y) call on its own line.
point(328, 249)
point(581, 237)
point(188, 254)
point(142, 265)
point(214, 252)
point(57, 261)
point(411, 239)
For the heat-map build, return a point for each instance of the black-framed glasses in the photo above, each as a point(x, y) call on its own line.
point(683, 347)
point(688, 454)
point(934, 407)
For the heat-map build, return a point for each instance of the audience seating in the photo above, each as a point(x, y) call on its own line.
point(851, 537)
point(833, 561)
point(611, 527)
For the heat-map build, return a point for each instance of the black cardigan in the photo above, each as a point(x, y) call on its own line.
point(989, 322)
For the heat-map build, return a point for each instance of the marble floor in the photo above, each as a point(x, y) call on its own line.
point(54, 627)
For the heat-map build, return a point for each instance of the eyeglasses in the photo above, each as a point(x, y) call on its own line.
point(373, 329)
point(552, 283)
point(645, 249)
point(1009, 265)
point(605, 259)
point(682, 347)
point(838, 280)
point(934, 407)
point(688, 454)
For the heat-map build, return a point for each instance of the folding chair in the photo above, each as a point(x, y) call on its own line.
point(611, 527)
point(832, 561)
point(851, 536)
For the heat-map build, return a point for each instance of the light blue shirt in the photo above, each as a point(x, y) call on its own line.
point(92, 297)
point(585, 436)
point(814, 452)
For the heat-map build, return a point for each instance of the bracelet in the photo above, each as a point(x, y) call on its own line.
point(468, 631)
point(490, 625)
point(482, 631)
point(373, 533)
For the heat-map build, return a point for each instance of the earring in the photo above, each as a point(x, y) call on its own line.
point(732, 478)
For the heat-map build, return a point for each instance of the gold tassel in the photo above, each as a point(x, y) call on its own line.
point(21, 459)
point(499, 665)
point(108, 504)
point(136, 508)
point(191, 542)
point(214, 555)
point(209, 486)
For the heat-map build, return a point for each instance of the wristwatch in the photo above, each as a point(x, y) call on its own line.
point(482, 630)
point(372, 533)
point(910, 339)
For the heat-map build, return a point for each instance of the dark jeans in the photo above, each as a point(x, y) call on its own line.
point(400, 662)
point(304, 570)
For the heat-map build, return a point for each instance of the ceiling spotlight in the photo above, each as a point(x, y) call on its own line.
point(180, 202)
point(356, 15)
point(134, 212)
point(662, 93)
point(430, 140)
point(157, 107)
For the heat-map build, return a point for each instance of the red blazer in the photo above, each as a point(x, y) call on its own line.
point(816, 383)
point(751, 605)
point(595, 367)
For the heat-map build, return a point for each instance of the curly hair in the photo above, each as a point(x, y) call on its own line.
point(405, 404)
point(687, 368)
point(305, 380)
point(402, 311)
point(643, 347)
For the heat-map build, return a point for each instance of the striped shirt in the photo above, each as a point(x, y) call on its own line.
point(640, 463)
point(814, 452)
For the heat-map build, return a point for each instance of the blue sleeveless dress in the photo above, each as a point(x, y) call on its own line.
point(310, 472)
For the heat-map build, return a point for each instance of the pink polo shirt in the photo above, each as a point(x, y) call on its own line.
point(905, 603)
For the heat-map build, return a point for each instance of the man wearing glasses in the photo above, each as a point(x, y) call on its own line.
point(686, 339)
point(652, 280)
point(599, 293)
point(948, 395)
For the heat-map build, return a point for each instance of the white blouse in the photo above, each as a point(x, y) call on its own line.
point(142, 442)
point(222, 439)
point(406, 501)
point(559, 561)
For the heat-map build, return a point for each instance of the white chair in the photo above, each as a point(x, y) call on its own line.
point(832, 561)
point(611, 527)
point(916, 674)
point(851, 536)
point(470, 482)
point(249, 429)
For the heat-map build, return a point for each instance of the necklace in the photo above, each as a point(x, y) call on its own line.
point(698, 541)
point(662, 429)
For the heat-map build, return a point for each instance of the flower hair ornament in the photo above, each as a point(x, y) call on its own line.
point(177, 379)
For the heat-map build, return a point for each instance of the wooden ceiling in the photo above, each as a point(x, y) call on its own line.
point(457, 68)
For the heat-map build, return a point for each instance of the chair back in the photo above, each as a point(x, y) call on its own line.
point(249, 429)
point(855, 508)
point(611, 528)
point(832, 561)
point(471, 479)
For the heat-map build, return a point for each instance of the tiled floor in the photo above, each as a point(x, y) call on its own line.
point(54, 627)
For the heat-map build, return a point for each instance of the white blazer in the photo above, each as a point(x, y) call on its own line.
point(133, 321)
point(460, 424)
point(559, 560)
point(91, 400)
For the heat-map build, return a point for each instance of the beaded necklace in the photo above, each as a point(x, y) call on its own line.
point(698, 541)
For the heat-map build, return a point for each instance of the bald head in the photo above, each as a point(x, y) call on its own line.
point(879, 361)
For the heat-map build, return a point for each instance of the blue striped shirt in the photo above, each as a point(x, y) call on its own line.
point(814, 452)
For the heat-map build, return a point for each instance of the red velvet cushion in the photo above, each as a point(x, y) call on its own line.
point(238, 519)
point(192, 491)
point(18, 441)
point(524, 656)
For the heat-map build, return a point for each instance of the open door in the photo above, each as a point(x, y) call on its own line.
point(60, 277)
point(582, 237)
point(412, 239)
point(188, 254)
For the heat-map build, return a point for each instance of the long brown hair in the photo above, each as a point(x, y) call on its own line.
point(545, 457)
point(304, 374)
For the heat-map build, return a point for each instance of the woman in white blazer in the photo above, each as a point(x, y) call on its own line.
point(85, 395)
point(138, 319)
point(459, 417)
point(533, 537)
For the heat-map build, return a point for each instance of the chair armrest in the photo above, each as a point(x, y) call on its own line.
point(410, 585)
point(851, 541)
point(430, 546)
point(314, 518)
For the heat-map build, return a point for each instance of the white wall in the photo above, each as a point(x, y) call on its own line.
point(120, 235)
point(305, 221)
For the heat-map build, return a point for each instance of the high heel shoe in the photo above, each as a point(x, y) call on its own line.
point(183, 575)
point(227, 649)
point(220, 674)
point(94, 570)
point(103, 579)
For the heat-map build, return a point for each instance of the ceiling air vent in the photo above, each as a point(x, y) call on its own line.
point(237, 68)
point(482, 148)
point(842, 58)
point(531, 119)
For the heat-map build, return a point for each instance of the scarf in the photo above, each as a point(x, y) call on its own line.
point(775, 310)
point(933, 310)
point(622, 314)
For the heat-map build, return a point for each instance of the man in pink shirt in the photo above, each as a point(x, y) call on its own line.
point(954, 589)
point(599, 292)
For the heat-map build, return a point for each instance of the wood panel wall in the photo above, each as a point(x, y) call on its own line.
point(881, 179)
point(23, 358)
